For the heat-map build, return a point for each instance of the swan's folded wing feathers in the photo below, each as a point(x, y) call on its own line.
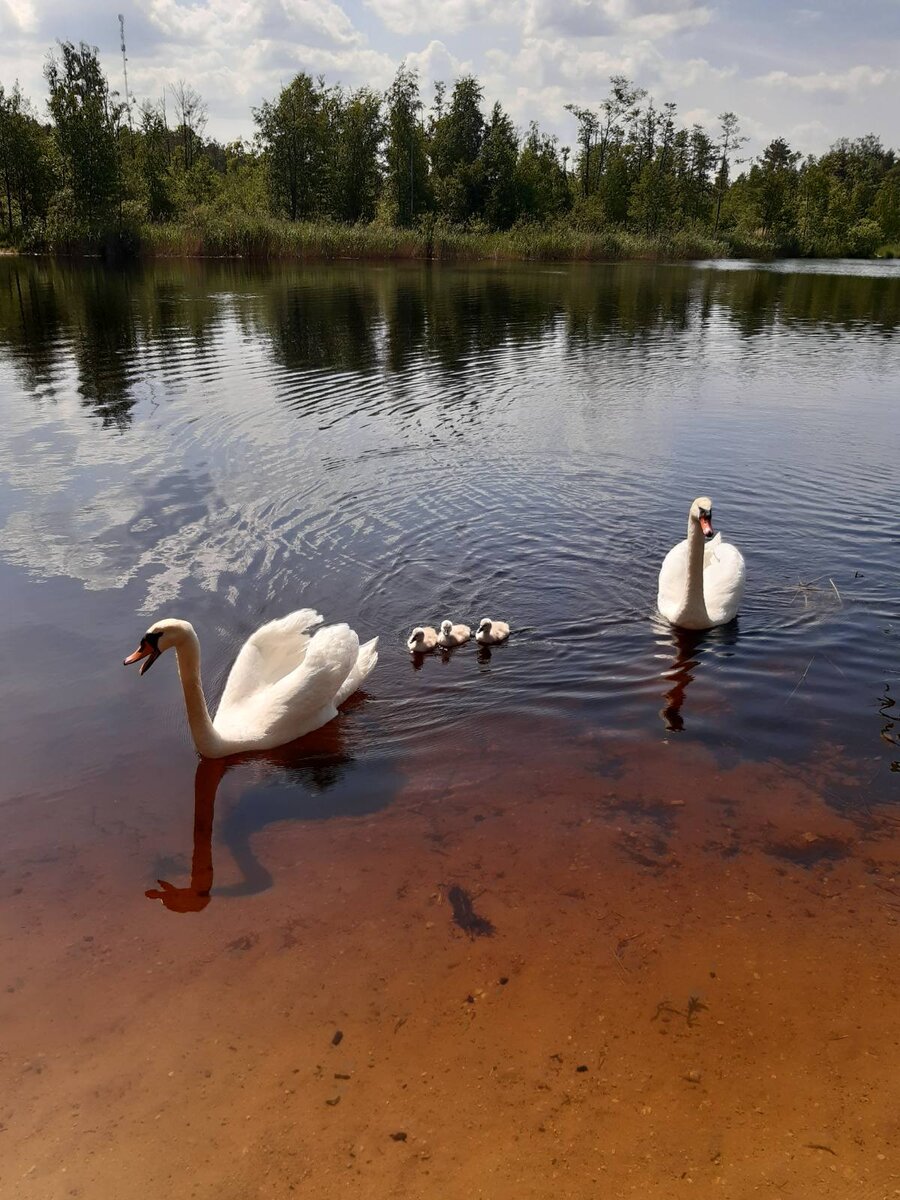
point(723, 582)
point(272, 652)
point(298, 702)
point(673, 579)
point(329, 659)
point(365, 663)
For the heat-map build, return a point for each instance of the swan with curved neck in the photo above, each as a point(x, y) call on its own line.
point(702, 578)
point(285, 682)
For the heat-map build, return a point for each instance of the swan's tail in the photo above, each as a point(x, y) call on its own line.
point(364, 665)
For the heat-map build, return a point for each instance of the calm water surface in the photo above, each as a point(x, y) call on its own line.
point(394, 445)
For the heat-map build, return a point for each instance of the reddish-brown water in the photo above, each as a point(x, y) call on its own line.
point(691, 988)
point(605, 912)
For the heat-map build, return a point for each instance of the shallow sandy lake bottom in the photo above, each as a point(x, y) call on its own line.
point(687, 984)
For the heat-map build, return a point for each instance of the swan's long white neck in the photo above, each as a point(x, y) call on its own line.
point(694, 603)
point(207, 741)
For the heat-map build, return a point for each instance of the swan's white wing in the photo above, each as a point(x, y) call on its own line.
point(268, 655)
point(299, 702)
point(308, 696)
point(364, 665)
point(724, 574)
point(673, 581)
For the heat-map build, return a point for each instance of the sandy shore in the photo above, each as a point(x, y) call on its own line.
point(687, 983)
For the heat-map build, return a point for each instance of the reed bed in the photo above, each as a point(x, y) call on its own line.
point(264, 237)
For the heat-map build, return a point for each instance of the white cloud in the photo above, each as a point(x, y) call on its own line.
point(17, 15)
point(841, 83)
point(448, 16)
point(325, 18)
point(604, 18)
point(535, 56)
point(436, 62)
point(213, 22)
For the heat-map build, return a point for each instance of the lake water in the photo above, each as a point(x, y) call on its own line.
point(702, 827)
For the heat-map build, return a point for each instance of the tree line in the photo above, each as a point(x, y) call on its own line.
point(100, 167)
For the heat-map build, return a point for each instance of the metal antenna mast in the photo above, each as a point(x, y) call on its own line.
point(125, 69)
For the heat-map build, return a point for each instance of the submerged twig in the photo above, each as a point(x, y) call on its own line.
point(836, 592)
point(802, 677)
point(622, 943)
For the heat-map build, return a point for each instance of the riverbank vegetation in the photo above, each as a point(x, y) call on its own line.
point(335, 173)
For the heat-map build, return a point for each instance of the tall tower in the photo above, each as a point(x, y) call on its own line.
point(125, 69)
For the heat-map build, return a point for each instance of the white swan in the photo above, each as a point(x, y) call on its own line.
point(702, 578)
point(453, 635)
point(284, 682)
point(491, 633)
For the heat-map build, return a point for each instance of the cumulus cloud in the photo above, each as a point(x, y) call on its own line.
point(534, 56)
point(436, 62)
point(830, 83)
point(604, 18)
point(450, 16)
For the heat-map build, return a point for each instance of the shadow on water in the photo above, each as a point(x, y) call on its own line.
point(313, 779)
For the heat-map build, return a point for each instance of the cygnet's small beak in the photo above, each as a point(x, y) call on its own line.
point(145, 650)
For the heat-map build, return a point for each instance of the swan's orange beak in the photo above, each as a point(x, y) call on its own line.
point(146, 650)
point(706, 526)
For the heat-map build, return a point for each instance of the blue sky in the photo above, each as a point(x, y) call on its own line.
point(808, 72)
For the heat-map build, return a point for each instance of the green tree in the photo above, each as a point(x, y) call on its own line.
point(191, 115)
point(497, 164)
point(541, 183)
point(651, 201)
point(730, 139)
point(618, 105)
point(601, 137)
point(355, 172)
point(86, 118)
point(292, 134)
point(588, 129)
point(154, 158)
point(26, 170)
point(772, 185)
point(886, 204)
point(456, 140)
point(243, 180)
point(407, 184)
point(694, 158)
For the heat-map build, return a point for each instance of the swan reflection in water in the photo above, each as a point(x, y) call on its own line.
point(313, 779)
point(690, 646)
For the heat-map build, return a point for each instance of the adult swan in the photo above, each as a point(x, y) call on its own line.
point(702, 578)
point(284, 683)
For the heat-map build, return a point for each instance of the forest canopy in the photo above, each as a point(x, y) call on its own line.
point(98, 168)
